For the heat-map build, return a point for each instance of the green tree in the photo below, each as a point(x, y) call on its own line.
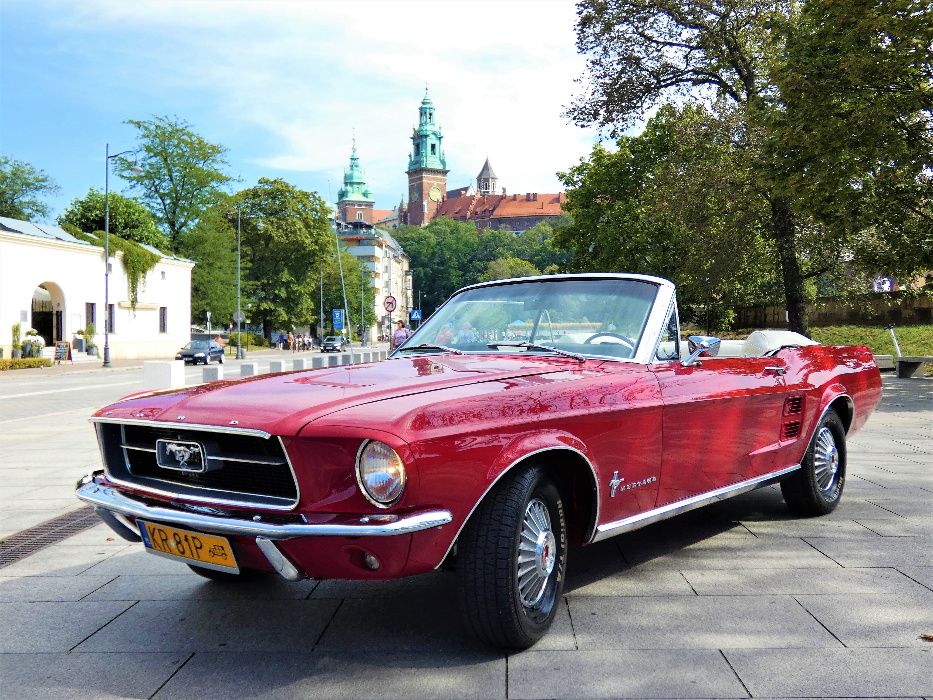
point(285, 235)
point(642, 53)
point(178, 173)
point(503, 268)
point(445, 255)
point(128, 218)
point(21, 185)
point(212, 245)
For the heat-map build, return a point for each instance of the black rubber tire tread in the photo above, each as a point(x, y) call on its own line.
point(487, 586)
point(801, 492)
point(223, 576)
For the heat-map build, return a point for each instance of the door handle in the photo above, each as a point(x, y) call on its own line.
point(777, 369)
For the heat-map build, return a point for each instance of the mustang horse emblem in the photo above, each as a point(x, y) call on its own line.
point(182, 453)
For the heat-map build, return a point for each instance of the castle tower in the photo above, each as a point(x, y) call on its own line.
point(486, 181)
point(354, 199)
point(427, 167)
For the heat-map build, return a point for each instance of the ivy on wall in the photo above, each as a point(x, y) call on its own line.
point(136, 260)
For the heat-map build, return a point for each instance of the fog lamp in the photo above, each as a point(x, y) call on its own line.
point(380, 473)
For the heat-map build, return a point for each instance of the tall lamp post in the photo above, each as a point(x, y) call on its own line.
point(107, 158)
point(239, 313)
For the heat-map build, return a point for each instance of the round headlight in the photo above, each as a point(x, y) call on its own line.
point(380, 473)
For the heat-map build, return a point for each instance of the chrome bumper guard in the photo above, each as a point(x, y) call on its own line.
point(110, 502)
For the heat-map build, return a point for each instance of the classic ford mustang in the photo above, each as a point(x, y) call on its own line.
point(524, 416)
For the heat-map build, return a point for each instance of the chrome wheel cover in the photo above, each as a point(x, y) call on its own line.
point(826, 461)
point(537, 553)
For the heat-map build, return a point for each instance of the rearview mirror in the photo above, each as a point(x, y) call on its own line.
point(705, 345)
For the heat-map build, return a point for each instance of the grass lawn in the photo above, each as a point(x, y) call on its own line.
point(914, 340)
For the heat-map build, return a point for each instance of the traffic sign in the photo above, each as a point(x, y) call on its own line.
point(414, 315)
point(239, 316)
point(338, 319)
point(390, 303)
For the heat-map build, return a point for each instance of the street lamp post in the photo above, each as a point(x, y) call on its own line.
point(239, 313)
point(107, 158)
point(362, 309)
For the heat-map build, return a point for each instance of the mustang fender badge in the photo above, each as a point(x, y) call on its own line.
point(615, 484)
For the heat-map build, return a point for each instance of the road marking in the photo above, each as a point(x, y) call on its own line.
point(74, 388)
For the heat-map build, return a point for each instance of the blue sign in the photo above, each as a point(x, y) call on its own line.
point(338, 319)
point(414, 315)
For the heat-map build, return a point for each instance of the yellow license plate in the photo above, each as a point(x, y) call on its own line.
point(198, 548)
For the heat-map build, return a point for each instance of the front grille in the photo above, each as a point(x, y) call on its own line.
point(238, 468)
point(791, 430)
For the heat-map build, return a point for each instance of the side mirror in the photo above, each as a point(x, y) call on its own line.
point(701, 345)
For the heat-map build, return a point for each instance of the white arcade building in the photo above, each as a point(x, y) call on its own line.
point(54, 283)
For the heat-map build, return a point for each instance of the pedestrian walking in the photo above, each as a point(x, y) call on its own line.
point(400, 335)
point(291, 340)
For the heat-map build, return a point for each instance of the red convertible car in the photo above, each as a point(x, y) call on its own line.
point(524, 416)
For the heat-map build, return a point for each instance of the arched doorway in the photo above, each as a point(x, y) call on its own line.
point(48, 312)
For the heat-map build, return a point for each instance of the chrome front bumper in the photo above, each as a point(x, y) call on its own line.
point(107, 499)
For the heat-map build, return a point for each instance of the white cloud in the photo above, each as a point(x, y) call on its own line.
point(305, 74)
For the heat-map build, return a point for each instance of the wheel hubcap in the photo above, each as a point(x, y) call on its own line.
point(826, 460)
point(537, 553)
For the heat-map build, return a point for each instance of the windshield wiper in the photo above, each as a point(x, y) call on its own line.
point(425, 346)
point(536, 346)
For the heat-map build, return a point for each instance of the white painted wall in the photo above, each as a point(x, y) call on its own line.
point(78, 272)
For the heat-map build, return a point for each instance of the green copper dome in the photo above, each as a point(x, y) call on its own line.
point(427, 151)
point(354, 184)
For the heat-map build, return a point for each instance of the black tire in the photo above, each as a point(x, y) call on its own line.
point(220, 359)
point(223, 576)
point(501, 607)
point(816, 488)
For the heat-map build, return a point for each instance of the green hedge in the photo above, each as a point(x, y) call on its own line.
point(251, 339)
point(25, 363)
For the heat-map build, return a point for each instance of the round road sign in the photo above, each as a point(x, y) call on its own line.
point(389, 303)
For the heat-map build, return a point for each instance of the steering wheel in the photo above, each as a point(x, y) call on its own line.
point(615, 336)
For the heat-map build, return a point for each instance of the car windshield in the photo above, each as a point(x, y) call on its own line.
point(590, 317)
point(331, 339)
point(196, 345)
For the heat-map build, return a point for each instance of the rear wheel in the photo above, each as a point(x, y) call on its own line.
point(511, 560)
point(816, 488)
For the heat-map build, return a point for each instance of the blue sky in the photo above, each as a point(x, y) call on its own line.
point(284, 84)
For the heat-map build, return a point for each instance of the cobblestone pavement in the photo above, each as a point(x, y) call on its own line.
point(737, 600)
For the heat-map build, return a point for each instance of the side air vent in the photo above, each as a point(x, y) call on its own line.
point(793, 405)
point(791, 430)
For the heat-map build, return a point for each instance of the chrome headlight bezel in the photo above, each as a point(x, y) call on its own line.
point(363, 478)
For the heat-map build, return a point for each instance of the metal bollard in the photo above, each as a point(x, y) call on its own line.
point(163, 374)
point(299, 363)
point(277, 366)
point(213, 373)
point(249, 369)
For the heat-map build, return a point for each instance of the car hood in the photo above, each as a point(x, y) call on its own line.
point(281, 404)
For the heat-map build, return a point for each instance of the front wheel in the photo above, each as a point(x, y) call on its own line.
point(511, 561)
point(816, 488)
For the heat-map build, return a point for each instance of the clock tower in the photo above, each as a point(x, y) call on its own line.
point(427, 167)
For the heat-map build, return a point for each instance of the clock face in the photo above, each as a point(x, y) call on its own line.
point(435, 194)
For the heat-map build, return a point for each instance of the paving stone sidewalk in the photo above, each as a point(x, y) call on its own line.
point(734, 601)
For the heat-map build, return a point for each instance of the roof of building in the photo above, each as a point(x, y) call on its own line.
point(383, 214)
point(500, 206)
point(55, 233)
point(487, 171)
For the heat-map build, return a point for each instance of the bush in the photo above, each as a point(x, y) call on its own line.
point(25, 363)
point(249, 339)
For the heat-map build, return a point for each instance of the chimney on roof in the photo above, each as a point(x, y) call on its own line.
point(514, 197)
point(503, 192)
point(528, 196)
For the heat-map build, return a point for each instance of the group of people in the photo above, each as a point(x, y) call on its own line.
point(295, 343)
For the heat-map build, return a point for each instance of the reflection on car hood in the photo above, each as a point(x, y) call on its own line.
point(282, 404)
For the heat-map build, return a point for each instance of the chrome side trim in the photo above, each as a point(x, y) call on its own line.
point(372, 526)
point(506, 471)
point(255, 432)
point(635, 522)
point(828, 408)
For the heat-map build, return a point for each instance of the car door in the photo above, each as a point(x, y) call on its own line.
point(721, 423)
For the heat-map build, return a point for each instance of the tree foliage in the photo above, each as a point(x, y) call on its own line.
point(285, 235)
point(128, 218)
point(446, 254)
point(178, 173)
point(744, 59)
point(211, 243)
point(21, 186)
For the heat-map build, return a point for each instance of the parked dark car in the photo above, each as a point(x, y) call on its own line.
point(334, 343)
point(201, 351)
